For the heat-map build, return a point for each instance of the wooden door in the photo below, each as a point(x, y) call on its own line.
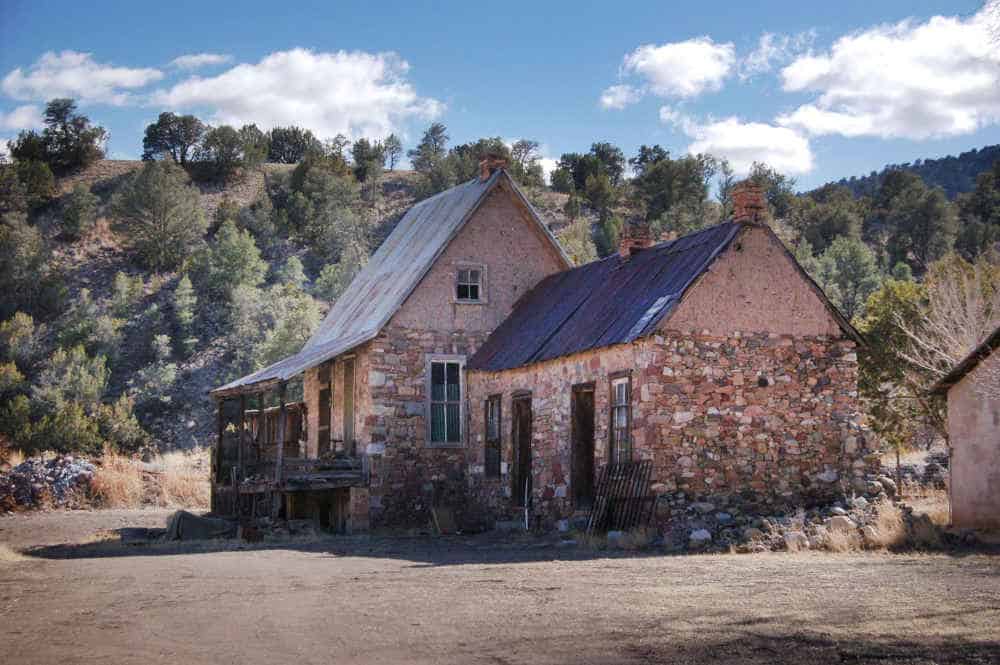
point(582, 464)
point(521, 438)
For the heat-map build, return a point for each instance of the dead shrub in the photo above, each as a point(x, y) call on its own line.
point(117, 482)
point(890, 528)
point(183, 481)
point(837, 540)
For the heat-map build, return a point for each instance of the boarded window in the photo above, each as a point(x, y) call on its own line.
point(492, 458)
point(446, 402)
point(470, 284)
point(621, 419)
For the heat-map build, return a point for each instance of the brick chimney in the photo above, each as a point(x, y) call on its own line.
point(635, 238)
point(490, 164)
point(749, 203)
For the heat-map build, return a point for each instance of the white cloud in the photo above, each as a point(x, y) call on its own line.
point(619, 96)
point(743, 143)
point(681, 69)
point(773, 49)
point(77, 75)
point(353, 93)
point(23, 117)
point(196, 60)
point(909, 80)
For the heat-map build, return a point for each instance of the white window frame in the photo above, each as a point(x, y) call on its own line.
point(429, 362)
point(481, 267)
point(616, 443)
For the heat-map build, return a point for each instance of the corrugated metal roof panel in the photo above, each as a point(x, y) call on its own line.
point(391, 274)
point(602, 303)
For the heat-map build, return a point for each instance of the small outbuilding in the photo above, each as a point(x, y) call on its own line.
point(973, 390)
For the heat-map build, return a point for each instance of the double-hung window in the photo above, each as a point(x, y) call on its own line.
point(621, 419)
point(445, 403)
point(469, 284)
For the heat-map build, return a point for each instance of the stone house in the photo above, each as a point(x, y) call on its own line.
point(468, 365)
point(973, 391)
point(713, 356)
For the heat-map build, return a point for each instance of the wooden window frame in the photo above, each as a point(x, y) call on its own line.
point(482, 299)
point(493, 471)
point(614, 446)
point(430, 360)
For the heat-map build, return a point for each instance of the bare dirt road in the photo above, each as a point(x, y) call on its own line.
point(423, 600)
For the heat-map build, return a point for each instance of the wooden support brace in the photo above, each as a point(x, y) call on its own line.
point(280, 453)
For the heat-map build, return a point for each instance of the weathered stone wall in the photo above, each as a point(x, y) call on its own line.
point(773, 419)
point(408, 472)
point(974, 429)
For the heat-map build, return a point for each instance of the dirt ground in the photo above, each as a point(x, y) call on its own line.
point(68, 597)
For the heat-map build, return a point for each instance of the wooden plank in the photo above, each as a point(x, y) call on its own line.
point(280, 454)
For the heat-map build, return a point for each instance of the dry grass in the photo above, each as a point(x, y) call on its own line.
point(117, 483)
point(173, 480)
point(837, 540)
point(931, 502)
point(15, 457)
point(8, 555)
point(889, 526)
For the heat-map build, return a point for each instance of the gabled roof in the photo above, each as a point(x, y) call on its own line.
point(611, 301)
point(967, 364)
point(391, 275)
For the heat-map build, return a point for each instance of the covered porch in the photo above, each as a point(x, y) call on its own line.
point(262, 467)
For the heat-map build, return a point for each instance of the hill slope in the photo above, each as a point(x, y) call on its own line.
point(955, 175)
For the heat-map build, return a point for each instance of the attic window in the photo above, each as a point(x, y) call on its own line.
point(469, 284)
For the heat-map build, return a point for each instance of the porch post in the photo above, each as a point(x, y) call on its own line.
point(280, 453)
point(217, 457)
point(243, 435)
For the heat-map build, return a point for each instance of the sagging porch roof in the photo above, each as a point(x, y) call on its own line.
point(389, 278)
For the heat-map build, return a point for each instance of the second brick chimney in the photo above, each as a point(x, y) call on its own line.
point(749, 202)
point(635, 238)
point(490, 164)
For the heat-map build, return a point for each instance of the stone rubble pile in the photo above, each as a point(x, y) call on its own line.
point(37, 482)
point(721, 524)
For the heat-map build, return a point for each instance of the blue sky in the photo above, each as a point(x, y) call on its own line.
point(821, 90)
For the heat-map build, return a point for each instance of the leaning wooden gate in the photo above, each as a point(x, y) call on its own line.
point(623, 499)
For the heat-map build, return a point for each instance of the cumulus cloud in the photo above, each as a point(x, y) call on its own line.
point(23, 117)
point(682, 69)
point(674, 70)
point(907, 80)
point(352, 93)
point(196, 60)
point(772, 50)
point(743, 143)
point(619, 96)
point(77, 75)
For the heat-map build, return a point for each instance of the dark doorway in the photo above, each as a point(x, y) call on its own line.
point(521, 438)
point(582, 480)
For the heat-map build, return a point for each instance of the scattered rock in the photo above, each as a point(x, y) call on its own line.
point(751, 533)
point(36, 482)
point(870, 536)
point(889, 485)
point(796, 540)
point(837, 510)
point(829, 476)
point(616, 538)
point(700, 538)
point(842, 523)
point(703, 507)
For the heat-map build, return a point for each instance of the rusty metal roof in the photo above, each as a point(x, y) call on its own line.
point(606, 302)
point(391, 274)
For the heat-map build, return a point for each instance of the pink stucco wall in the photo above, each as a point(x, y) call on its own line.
point(516, 256)
point(753, 287)
point(974, 429)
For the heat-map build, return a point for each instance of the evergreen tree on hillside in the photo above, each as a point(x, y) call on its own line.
point(160, 215)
